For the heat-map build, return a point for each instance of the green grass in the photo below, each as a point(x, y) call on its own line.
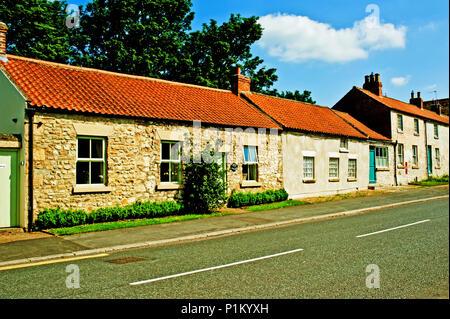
point(432, 181)
point(286, 203)
point(129, 223)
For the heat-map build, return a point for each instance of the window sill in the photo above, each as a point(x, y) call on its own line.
point(79, 189)
point(416, 134)
point(436, 137)
point(382, 169)
point(352, 179)
point(437, 167)
point(333, 179)
point(250, 184)
point(168, 186)
point(400, 166)
point(309, 180)
point(343, 150)
point(415, 167)
point(399, 131)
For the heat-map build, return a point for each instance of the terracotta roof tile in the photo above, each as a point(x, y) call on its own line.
point(406, 107)
point(360, 126)
point(303, 116)
point(60, 86)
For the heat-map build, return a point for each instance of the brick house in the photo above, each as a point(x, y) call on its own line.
point(324, 151)
point(420, 136)
point(81, 138)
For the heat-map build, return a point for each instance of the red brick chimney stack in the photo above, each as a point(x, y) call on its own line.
point(417, 101)
point(3, 31)
point(373, 84)
point(240, 83)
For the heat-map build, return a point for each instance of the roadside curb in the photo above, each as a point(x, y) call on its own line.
point(212, 234)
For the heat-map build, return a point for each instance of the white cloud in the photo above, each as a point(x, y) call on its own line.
point(297, 38)
point(401, 80)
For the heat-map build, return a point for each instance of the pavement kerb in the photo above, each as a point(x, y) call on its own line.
point(214, 234)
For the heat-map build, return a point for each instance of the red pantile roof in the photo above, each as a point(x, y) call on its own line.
point(303, 116)
point(59, 86)
point(361, 127)
point(406, 107)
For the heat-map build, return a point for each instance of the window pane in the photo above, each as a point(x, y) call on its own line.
point(245, 154)
point(334, 167)
point(245, 171)
point(97, 173)
point(252, 156)
point(165, 172)
point(82, 172)
point(174, 172)
point(308, 167)
point(165, 151)
point(416, 125)
point(96, 148)
point(252, 172)
point(175, 149)
point(83, 148)
point(352, 168)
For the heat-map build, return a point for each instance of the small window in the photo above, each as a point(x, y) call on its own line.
point(400, 122)
point(308, 167)
point(90, 166)
point(381, 157)
point(352, 168)
point(334, 168)
point(414, 155)
point(416, 126)
point(250, 166)
point(170, 162)
point(436, 130)
point(344, 143)
point(401, 154)
point(437, 156)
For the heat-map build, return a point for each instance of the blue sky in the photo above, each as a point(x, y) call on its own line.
point(327, 47)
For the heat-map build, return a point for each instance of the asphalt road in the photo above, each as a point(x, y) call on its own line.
point(315, 260)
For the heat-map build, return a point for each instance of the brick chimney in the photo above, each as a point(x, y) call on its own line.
point(417, 101)
point(240, 83)
point(373, 84)
point(3, 30)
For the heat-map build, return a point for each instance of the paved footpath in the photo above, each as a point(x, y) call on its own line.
point(35, 250)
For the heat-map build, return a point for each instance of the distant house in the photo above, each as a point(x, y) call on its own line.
point(440, 105)
point(420, 136)
point(324, 152)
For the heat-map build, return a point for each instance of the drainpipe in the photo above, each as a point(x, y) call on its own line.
point(395, 163)
point(30, 112)
point(426, 148)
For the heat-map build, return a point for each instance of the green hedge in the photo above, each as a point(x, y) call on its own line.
point(247, 199)
point(57, 218)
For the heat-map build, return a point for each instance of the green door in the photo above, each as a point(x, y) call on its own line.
point(429, 161)
point(372, 166)
point(8, 189)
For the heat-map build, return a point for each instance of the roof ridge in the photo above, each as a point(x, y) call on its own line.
point(99, 71)
point(289, 100)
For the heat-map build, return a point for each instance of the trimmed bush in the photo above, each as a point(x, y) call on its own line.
point(57, 217)
point(241, 199)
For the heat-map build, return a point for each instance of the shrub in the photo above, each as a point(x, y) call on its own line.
point(204, 188)
point(57, 217)
point(241, 199)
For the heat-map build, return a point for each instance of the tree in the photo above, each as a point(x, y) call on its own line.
point(140, 37)
point(36, 29)
point(297, 96)
point(211, 54)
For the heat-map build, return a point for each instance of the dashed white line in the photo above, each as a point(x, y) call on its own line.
point(389, 229)
point(215, 267)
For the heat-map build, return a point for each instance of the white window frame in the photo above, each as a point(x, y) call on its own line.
point(415, 155)
point(416, 127)
point(401, 155)
point(330, 169)
point(351, 169)
point(91, 159)
point(381, 161)
point(308, 170)
point(436, 130)
point(437, 157)
point(170, 161)
point(400, 122)
point(249, 163)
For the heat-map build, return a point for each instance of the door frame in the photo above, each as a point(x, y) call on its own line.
point(14, 212)
point(372, 151)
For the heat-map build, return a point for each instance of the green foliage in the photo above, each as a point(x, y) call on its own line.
point(240, 199)
point(296, 96)
point(57, 218)
point(432, 181)
point(204, 187)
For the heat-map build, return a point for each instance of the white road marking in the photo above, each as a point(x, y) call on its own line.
point(389, 229)
point(215, 267)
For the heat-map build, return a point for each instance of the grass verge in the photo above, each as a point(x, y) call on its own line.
point(129, 223)
point(432, 181)
point(276, 205)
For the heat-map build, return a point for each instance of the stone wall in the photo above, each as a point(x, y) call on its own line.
point(133, 159)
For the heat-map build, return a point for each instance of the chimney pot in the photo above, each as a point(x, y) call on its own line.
point(418, 95)
point(412, 94)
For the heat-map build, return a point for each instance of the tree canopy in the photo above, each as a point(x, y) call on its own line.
point(142, 37)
